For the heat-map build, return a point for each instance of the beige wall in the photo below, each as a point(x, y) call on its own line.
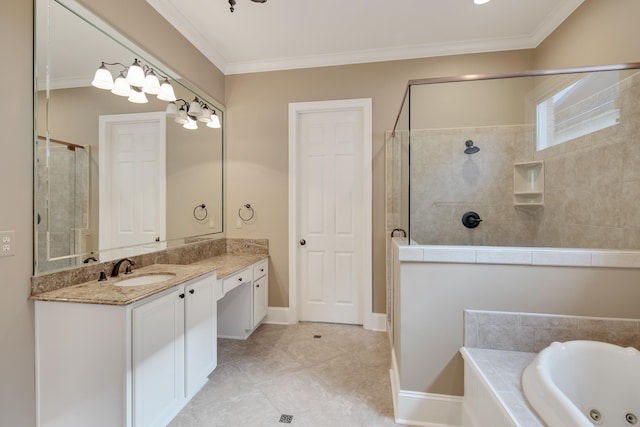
point(598, 32)
point(17, 389)
point(257, 141)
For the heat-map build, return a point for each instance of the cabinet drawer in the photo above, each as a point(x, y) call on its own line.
point(260, 269)
point(231, 282)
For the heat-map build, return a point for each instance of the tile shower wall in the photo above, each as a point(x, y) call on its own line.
point(592, 185)
point(446, 183)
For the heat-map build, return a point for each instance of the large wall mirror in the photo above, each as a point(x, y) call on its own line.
point(114, 177)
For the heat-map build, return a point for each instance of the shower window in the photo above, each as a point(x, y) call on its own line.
point(584, 106)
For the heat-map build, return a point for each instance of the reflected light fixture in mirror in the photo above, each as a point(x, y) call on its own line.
point(133, 81)
point(190, 113)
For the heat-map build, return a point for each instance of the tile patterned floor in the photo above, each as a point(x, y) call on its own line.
point(338, 379)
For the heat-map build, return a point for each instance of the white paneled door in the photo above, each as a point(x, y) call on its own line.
point(333, 211)
point(132, 181)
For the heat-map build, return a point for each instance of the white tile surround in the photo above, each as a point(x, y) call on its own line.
point(520, 256)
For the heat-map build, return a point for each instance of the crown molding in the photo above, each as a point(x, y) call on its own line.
point(185, 27)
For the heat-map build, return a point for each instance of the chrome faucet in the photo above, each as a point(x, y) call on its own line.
point(116, 267)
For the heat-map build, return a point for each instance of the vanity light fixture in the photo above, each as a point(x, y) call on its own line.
point(141, 79)
point(137, 81)
point(190, 113)
point(481, 1)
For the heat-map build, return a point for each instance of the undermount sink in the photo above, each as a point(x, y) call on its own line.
point(147, 279)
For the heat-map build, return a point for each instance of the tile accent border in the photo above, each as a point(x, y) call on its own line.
point(532, 332)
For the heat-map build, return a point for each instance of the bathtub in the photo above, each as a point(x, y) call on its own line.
point(584, 383)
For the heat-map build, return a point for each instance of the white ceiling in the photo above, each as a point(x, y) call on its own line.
point(287, 34)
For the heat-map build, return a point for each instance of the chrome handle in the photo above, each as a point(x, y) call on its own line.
point(303, 242)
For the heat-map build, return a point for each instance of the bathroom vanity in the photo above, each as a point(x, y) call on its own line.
point(110, 355)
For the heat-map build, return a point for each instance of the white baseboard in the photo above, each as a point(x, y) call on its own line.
point(423, 409)
point(280, 316)
point(377, 322)
point(285, 316)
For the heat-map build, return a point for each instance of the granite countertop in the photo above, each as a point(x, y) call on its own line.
point(107, 293)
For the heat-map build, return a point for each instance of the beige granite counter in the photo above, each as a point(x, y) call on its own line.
point(106, 292)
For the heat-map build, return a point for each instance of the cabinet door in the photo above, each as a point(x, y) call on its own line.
point(158, 359)
point(200, 333)
point(260, 296)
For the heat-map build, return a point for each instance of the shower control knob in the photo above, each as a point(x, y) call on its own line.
point(303, 242)
point(471, 219)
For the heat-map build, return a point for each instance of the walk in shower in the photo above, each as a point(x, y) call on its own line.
point(534, 159)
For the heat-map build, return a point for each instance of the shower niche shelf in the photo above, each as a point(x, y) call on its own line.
point(528, 185)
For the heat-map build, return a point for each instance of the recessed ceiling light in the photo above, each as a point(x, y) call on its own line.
point(481, 1)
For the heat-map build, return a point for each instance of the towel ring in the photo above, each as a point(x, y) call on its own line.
point(201, 207)
point(250, 209)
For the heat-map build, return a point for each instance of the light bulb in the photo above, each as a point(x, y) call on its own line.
point(191, 124)
point(205, 115)
point(151, 83)
point(195, 110)
point(166, 92)
point(103, 78)
point(135, 74)
point(137, 96)
point(215, 121)
point(172, 109)
point(181, 118)
point(121, 87)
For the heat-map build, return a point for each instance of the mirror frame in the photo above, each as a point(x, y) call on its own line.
point(100, 25)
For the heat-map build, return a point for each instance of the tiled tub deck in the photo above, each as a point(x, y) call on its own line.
point(498, 346)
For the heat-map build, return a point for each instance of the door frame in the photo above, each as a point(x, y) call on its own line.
point(105, 124)
point(295, 110)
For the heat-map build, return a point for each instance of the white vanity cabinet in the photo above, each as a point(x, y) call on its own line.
point(260, 292)
point(158, 359)
point(244, 301)
point(135, 365)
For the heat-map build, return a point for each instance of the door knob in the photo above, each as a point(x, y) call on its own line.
point(303, 242)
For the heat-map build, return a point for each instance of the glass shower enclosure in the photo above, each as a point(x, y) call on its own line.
point(535, 159)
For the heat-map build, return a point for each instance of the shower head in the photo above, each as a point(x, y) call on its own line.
point(471, 149)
